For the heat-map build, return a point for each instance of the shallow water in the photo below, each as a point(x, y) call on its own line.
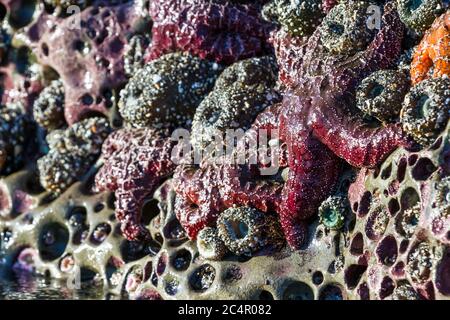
point(26, 286)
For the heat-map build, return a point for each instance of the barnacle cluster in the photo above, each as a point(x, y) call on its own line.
point(335, 184)
point(72, 153)
point(298, 18)
point(333, 212)
point(425, 112)
point(381, 94)
point(418, 15)
point(167, 91)
point(345, 29)
point(48, 109)
point(245, 230)
point(242, 91)
point(15, 133)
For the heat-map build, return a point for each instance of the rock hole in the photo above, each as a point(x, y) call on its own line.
point(87, 99)
point(265, 295)
point(148, 268)
point(154, 279)
point(171, 285)
point(387, 251)
point(181, 260)
point(298, 291)
point(437, 144)
point(386, 172)
point(393, 206)
point(232, 274)
point(67, 263)
point(409, 198)
point(357, 245)
point(412, 159)
point(87, 274)
point(443, 274)
point(377, 222)
point(45, 50)
point(100, 233)
point(52, 241)
point(423, 169)
point(76, 216)
point(80, 235)
point(331, 292)
point(99, 207)
point(149, 211)
point(387, 288)
point(364, 205)
point(404, 246)
point(162, 264)
point(399, 269)
point(116, 45)
point(202, 278)
point(133, 250)
point(363, 291)
point(21, 13)
point(317, 278)
point(353, 274)
point(401, 169)
point(174, 232)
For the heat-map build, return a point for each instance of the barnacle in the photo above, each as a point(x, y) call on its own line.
point(15, 133)
point(420, 261)
point(333, 212)
point(209, 244)
point(408, 220)
point(442, 197)
point(134, 56)
point(425, 110)
point(167, 91)
point(418, 14)
point(381, 94)
point(299, 18)
point(377, 221)
point(405, 291)
point(72, 153)
point(245, 230)
point(242, 91)
point(48, 109)
point(64, 4)
point(345, 29)
point(58, 171)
